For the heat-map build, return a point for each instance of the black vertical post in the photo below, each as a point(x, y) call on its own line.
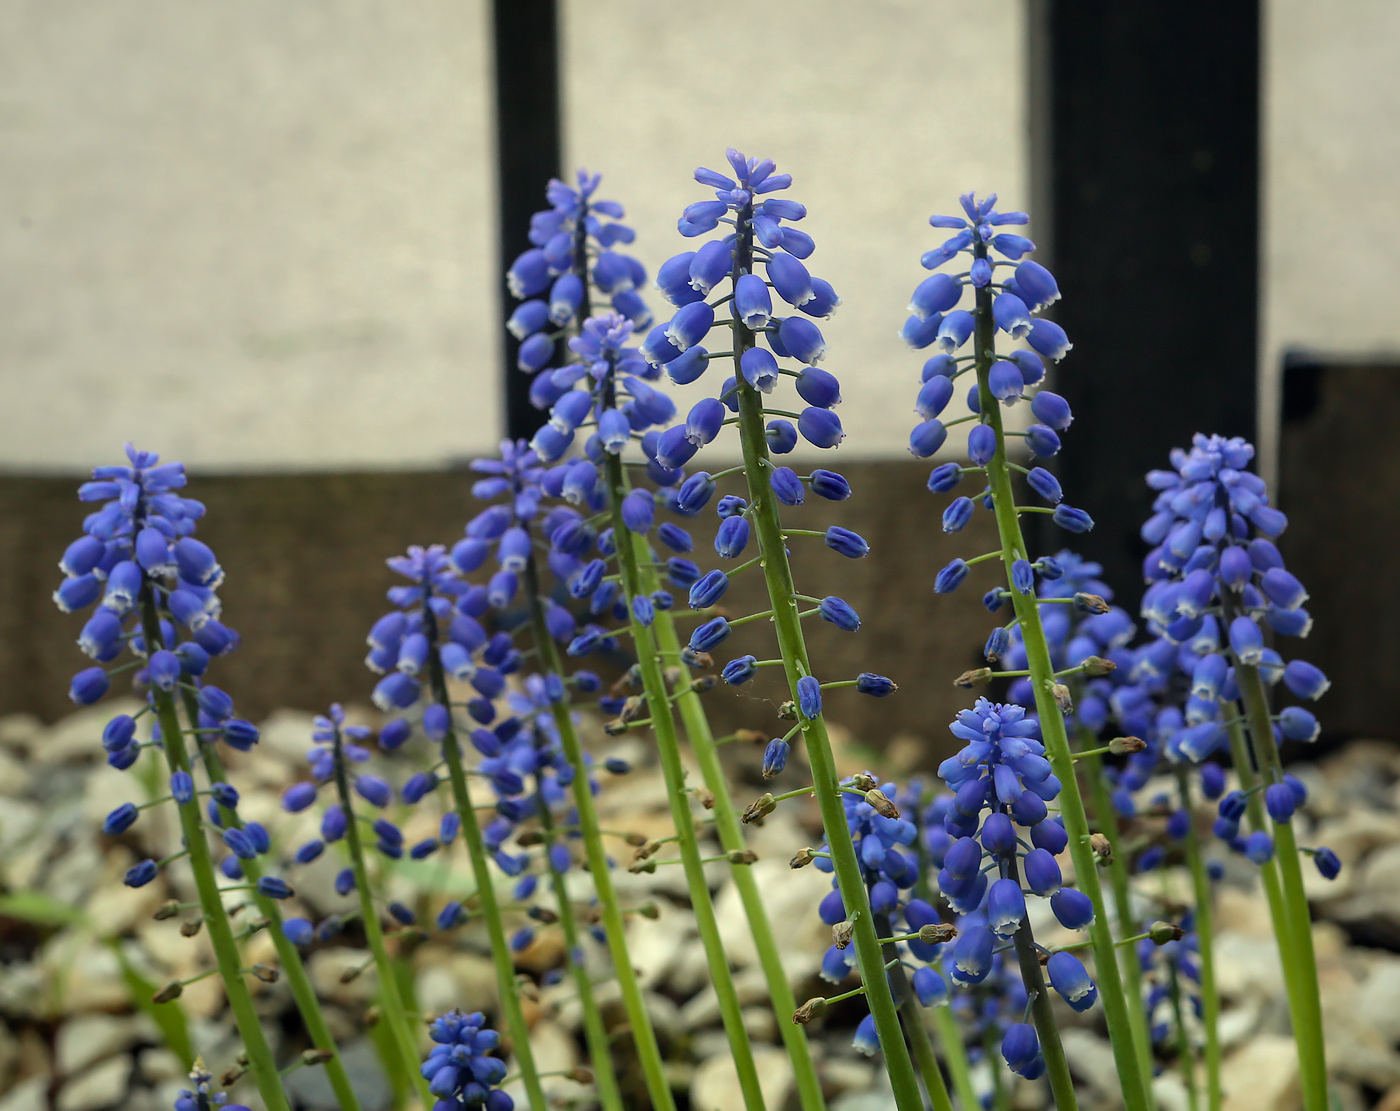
point(526, 42)
point(1153, 164)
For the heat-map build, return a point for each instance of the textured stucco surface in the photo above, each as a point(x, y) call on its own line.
point(258, 235)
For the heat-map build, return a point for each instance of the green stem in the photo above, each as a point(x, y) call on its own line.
point(1129, 965)
point(485, 888)
point(731, 837)
point(777, 574)
point(1136, 1094)
point(1307, 1014)
point(911, 1017)
point(1183, 1044)
point(1042, 1011)
point(1205, 945)
point(632, 554)
point(240, 1000)
point(945, 1026)
point(391, 999)
point(303, 992)
point(594, 1031)
point(614, 926)
point(1001, 1098)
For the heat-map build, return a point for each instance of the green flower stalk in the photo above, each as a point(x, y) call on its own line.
point(298, 979)
point(759, 239)
point(1007, 305)
point(395, 1014)
point(261, 1062)
point(729, 829)
point(1204, 917)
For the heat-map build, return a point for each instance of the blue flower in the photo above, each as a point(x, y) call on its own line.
point(459, 1068)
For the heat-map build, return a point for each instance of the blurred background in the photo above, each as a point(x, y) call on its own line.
point(267, 239)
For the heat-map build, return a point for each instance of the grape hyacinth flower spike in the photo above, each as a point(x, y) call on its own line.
point(572, 261)
point(154, 586)
point(433, 624)
point(1008, 291)
point(338, 751)
point(764, 250)
point(1216, 576)
point(578, 481)
point(619, 404)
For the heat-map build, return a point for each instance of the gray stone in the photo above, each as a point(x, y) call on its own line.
point(310, 1089)
point(715, 1086)
point(103, 1085)
point(28, 1095)
point(86, 1039)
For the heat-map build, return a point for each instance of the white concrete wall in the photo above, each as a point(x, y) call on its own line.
point(259, 235)
point(1331, 204)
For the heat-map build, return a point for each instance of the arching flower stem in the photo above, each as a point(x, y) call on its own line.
point(481, 870)
point(298, 980)
point(1292, 919)
point(614, 926)
point(260, 1059)
point(1204, 918)
point(782, 593)
point(731, 838)
point(1117, 867)
point(632, 555)
point(1136, 1093)
point(594, 1031)
point(391, 999)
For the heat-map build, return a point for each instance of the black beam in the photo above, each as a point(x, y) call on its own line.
point(1153, 164)
point(526, 41)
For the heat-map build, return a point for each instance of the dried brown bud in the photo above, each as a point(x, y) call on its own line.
point(936, 933)
point(1102, 847)
point(633, 708)
point(1091, 602)
point(631, 681)
point(635, 839)
point(349, 975)
point(864, 781)
point(788, 711)
point(881, 803)
point(167, 910)
point(1062, 698)
point(674, 677)
point(1123, 746)
point(697, 660)
point(191, 927)
point(704, 684)
point(232, 1076)
point(543, 914)
point(649, 910)
point(809, 1010)
point(640, 866)
point(1096, 666)
point(527, 989)
point(316, 1056)
point(651, 848)
point(803, 858)
point(973, 678)
point(707, 800)
point(616, 727)
point(267, 973)
point(580, 1075)
point(741, 856)
point(842, 932)
point(373, 1015)
point(169, 993)
point(761, 807)
point(750, 737)
point(1163, 932)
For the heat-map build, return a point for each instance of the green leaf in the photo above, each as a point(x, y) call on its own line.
point(169, 1017)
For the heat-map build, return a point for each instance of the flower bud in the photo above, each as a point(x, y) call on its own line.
point(975, 677)
point(761, 807)
point(881, 803)
point(1123, 746)
point(1102, 847)
point(842, 932)
point(809, 1010)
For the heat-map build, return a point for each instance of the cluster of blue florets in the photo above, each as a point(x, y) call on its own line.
point(572, 255)
point(459, 1069)
point(202, 1097)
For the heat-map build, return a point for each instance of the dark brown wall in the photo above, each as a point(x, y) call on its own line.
point(304, 557)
